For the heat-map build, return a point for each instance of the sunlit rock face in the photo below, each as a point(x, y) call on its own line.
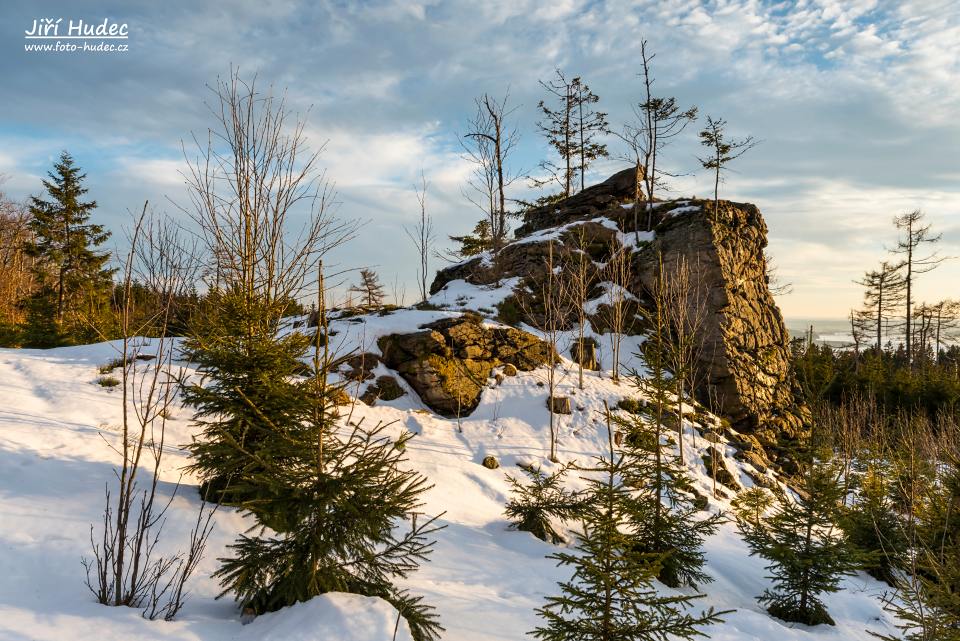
point(743, 351)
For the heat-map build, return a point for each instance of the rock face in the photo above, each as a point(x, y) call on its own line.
point(449, 362)
point(385, 388)
point(743, 350)
point(585, 352)
point(615, 191)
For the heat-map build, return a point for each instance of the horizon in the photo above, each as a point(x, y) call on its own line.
point(831, 89)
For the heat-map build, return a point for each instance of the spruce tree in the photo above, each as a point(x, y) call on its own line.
point(883, 294)
point(535, 505)
point(928, 585)
point(751, 505)
point(664, 518)
point(612, 594)
point(939, 537)
point(873, 525)
point(572, 129)
point(723, 151)
point(479, 241)
point(807, 553)
point(75, 282)
point(590, 124)
point(369, 289)
point(334, 499)
point(248, 388)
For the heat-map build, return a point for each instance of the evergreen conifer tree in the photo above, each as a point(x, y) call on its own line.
point(533, 506)
point(751, 505)
point(612, 596)
point(664, 517)
point(334, 500)
point(475, 243)
point(75, 282)
point(369, 290)
point(928, 585)
point(873, 524)
point(572, 129)
point(248, 388)
point(807, 553)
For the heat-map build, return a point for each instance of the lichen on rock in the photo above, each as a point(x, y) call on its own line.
point(449, 362)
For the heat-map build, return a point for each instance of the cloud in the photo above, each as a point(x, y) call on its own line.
point(854, 100)
point(162, 173)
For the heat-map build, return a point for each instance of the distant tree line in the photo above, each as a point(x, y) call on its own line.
point(904, 352)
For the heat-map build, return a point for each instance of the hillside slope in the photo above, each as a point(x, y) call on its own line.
point(57, 427)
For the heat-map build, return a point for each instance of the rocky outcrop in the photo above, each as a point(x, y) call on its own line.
point(526, 257)
point(449, 362)
point(385, 388)
point(743, 350)
point(614, 192)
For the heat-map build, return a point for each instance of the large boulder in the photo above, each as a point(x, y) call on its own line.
point(743, 351)
point(449, 362)
point(527, 258)
point(614, 192)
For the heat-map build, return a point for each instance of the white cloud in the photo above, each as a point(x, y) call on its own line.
point(160, 173)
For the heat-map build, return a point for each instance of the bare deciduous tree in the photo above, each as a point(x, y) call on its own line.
point(776, 284)
point(249, 180)
point(617, 273)
point(580, 278)
point(550, 320)
point(684, 299)
point(916, 235)
point(422, 236)
point(635, 139)
point(488, 144)
point(125, 569)
point(16, 273)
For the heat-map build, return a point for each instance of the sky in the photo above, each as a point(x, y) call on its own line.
point(854, 103)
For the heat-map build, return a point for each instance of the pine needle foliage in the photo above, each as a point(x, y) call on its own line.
point(337, 507)
point(873, 525)
point(665, 519)
point(334, 507)
point(751, 504)
point(535, 505)
point(369, 290)
point(250, 381)
point(74, 279)
point(475, 243)
point(612, 594)
point(808, 554)
point(927, 589)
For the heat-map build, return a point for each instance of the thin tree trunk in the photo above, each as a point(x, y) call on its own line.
point(566, 142)
point(909, 293)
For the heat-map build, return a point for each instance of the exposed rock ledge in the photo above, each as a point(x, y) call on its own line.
point(450, 361)
point(744, 354)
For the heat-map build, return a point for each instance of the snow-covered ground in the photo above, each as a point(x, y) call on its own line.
point(57, 429)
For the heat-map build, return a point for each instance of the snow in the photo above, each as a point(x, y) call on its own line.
point(344, 617)
point(461, 295)
point(57, 428)
point(553, 233)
